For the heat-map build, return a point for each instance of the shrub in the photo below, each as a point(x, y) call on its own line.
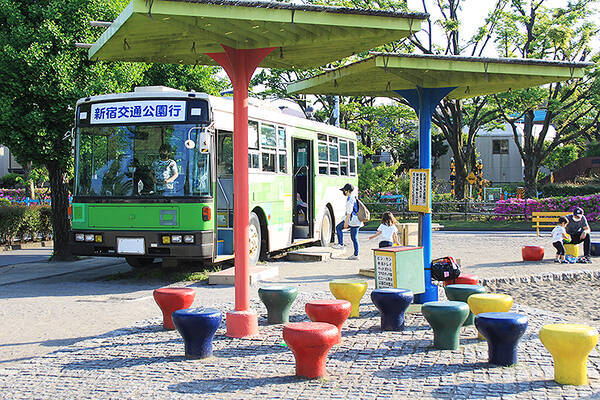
point(17, 221)
point(569, 189)
point(525, 207)
point(10, 180)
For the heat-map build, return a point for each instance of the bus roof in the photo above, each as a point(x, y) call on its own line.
point(259, 109)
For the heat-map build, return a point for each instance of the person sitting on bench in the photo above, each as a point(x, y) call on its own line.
point(580, 231)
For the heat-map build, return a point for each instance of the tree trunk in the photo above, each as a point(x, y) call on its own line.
point(530, 177)
point(60, 220)
point(459, 187)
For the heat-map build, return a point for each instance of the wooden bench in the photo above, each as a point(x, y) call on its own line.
point(546, 217)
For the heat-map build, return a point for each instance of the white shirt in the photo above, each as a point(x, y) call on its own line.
point(557, 233)
point(350, 201)
point(387, 232)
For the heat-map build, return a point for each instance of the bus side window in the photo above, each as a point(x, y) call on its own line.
point(225, 154)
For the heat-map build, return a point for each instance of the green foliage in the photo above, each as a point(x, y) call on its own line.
point(592, 150)
point(373, 181)
point(185, 77)
point(561, 156)
point(20, 221)
point(11, 180)
point(569, 189)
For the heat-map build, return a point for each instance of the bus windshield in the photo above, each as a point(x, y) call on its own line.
point(141, 160)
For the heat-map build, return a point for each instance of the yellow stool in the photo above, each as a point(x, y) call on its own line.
point(572, 249)
point(349, 289)
point(569, 345)
point(489, 302)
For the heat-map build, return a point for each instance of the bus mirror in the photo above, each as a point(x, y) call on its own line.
point(189, 144)
point(204, 142)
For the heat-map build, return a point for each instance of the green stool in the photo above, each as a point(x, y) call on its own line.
point(278, 300)
point(461, 292)
point(446, 319)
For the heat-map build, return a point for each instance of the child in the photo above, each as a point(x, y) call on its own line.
point(559, 234)
point(387, 230)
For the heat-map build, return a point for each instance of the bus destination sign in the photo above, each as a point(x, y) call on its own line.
point(125, 112)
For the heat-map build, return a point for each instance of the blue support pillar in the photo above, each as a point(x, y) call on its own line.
point(424, 101)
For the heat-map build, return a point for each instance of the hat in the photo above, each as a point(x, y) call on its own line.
point(578, 212)
point(347, 188)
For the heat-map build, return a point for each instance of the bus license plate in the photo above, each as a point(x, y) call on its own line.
point(130, 246)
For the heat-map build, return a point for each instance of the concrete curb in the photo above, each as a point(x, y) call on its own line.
point(545, 277)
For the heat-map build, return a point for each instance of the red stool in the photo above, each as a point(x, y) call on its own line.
point(532, 253)
point(310, 342)
point(334, 312)
point(464, 279)
point(173, 299)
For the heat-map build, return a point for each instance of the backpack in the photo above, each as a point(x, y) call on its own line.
point(363, 213)
point(444, 269)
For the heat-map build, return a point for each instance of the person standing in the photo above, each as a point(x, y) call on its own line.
point(559, 234)
point(388, 231)
point(350, 221)
point(580, 231)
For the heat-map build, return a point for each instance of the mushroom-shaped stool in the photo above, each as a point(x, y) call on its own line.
point(310, 342)
point(392, 304)
point(446, 319)
point(197, 326)
point(502, 330)
point(334, 312)
point(278, 299)
point(460, 292)
point(349, 289)
point(172, 299)
point(489, 302)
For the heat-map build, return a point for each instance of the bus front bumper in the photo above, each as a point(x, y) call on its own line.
point(144, 244)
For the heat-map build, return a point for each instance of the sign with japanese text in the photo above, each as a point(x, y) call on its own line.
point(419, 190)
point(126, 112)
point(384, 271)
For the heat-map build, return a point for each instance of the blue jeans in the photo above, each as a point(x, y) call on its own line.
point(353, 235)
point(385, 243)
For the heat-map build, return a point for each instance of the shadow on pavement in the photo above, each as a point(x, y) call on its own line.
point(228, 385)
point(478, 390)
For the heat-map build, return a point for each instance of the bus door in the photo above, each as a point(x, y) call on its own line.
point(303, 194)
point(224, 196)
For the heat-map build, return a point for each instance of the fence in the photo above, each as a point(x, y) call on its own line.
point(445, 210)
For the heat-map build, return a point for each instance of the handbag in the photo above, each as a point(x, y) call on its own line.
point(444, 269)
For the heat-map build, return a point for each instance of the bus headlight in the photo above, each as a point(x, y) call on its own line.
point(89, 237)
point(79, 237)
point(188, 239)
point(176, 239)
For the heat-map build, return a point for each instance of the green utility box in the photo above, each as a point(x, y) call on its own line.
point(400, 267)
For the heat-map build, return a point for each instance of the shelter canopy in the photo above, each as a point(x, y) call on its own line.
point(305, 36)
point(383, 73)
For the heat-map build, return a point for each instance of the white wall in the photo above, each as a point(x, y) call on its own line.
point(7, 162)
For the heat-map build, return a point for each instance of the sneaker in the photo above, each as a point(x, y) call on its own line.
point(563, 262)
point(556, 260)
point(353, 257)
point(338, 246)
point(586, 260)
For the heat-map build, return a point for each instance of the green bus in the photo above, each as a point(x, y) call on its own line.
point(154, 177)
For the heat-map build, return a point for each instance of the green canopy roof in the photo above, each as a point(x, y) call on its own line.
point(182, 31)
point(382, 73)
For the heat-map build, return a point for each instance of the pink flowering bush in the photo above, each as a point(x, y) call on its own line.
point(18, 196)
point(516, 208)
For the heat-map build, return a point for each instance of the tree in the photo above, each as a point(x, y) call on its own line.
point(44, 75)
point(531, 30)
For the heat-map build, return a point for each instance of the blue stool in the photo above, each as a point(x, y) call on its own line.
point(502, 330)
point(197, 326)
point(392, 304)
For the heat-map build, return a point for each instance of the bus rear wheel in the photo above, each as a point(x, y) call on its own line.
point(326, 231)
point(140, 262)
point(254, 239)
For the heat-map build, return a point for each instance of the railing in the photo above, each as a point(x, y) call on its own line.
point(449, 210)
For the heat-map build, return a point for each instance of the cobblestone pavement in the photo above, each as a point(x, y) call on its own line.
point(143, 361)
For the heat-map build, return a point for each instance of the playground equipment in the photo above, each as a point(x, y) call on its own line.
point(197, 327)
point(334, 312)
point(502, 330)
point(392, 304)
point(310, 342)
point(278, 300)
point(172, 299)
point(351, 290)
point(446, 319)
point(461, 292)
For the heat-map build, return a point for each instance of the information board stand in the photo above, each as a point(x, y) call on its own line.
point(399, 267)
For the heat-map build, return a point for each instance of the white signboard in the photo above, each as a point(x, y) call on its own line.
point(124, 112)
point(419, 190)
point(384, 271)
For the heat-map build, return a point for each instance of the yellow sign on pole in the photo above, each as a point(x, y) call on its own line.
point(419, 190)
point(471, 178)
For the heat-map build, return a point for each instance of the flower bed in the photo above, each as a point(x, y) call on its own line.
point(511, 208)
point(18, 196)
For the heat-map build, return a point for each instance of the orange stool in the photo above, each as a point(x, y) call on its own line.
point(310, 342)
point(463, 279)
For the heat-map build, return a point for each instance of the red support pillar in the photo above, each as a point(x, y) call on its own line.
point(240, 64)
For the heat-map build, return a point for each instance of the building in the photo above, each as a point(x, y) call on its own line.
point(8, 162)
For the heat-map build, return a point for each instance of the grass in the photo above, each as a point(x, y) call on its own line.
point(168, 274)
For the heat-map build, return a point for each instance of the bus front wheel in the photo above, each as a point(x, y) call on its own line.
point(140, 262)
point(254, 239)
point(326, 231)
